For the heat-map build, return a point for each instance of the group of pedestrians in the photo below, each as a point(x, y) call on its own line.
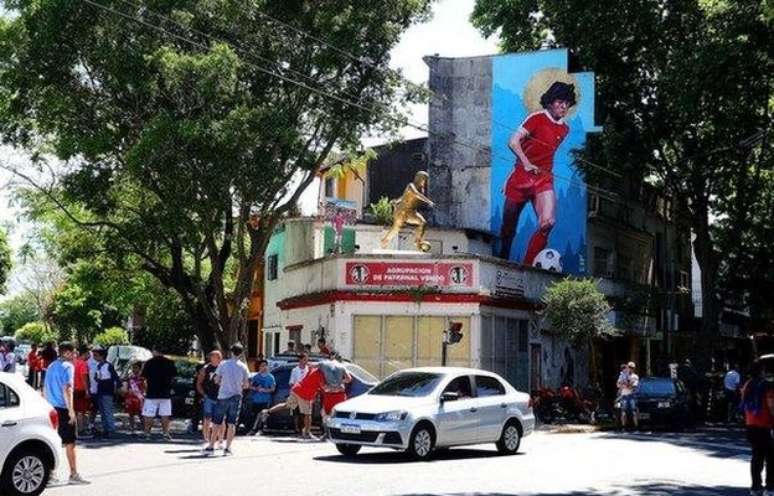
point(81, 384)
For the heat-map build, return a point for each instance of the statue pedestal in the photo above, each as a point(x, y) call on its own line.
point(381, 251)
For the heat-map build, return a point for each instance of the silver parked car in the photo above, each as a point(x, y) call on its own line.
point(419, 410)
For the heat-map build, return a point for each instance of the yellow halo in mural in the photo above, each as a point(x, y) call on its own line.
point(539, 84)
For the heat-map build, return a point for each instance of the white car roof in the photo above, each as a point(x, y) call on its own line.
point(451, 371)
point(12, 378)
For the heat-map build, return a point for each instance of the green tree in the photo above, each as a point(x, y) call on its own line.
point(183, 146)
point(577, 310)
point(166, 324)
point(683, 87)
point(382, 211)
point(5, 260)
point(15, 312)
point(89, 300)
point(35, 332)
point(112, 336)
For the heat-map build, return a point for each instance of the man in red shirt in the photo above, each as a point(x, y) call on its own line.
point(532, 179)
point(302, 395)
point(81, 397)
point(33, 366)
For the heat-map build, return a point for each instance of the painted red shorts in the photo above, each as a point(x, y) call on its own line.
point(523, 186)
point(332, 399)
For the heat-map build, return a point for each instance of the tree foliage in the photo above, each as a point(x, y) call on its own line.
point(5, 260)
point(382, 210)
point(112, 336)
point(683, 87)
point(577, 310)
point(17, 311)
point(183, 144)
point(35, 332)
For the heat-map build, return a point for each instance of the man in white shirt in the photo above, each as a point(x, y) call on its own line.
point(731, 389)
point(627, 385)
point(299, 372)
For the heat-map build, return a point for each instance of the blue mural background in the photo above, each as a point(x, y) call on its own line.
point(510, 75)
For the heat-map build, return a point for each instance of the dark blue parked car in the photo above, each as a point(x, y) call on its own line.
point(362, 382)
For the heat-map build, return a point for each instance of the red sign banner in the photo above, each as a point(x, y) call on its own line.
point(444, 274)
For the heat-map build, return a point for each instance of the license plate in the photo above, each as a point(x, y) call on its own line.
point(189, 401)
point(350, 429)
point(644, 416)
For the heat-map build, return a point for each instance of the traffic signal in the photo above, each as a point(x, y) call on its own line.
point(455, 332)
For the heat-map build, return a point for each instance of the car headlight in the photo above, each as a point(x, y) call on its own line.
point(664, 404)
point(392, 416)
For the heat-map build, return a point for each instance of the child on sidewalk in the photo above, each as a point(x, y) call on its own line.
point(134, 395)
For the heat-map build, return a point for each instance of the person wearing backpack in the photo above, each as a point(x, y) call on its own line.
point(758, 406)
point(106, 380)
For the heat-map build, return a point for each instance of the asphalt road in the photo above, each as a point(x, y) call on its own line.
point(710, 462)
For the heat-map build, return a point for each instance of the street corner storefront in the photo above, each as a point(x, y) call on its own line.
point(388, 313)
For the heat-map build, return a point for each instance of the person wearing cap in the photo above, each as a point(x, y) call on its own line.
point(208, 389)
point(159, 373)
point(232, 377)
point(627, 385)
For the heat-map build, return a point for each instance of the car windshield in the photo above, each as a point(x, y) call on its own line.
point(362, 374)
point(413, 384)
point(656, 387)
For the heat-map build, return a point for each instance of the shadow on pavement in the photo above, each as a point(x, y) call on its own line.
point(649, 489)
point(720, 441)
point(122, 439)
point(397, 457)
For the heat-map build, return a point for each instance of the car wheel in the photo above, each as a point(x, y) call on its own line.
point(348, 450)
point(26, 474)
point(510, 439)
point(422, 442)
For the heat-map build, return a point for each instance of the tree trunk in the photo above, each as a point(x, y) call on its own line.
point(707, 260)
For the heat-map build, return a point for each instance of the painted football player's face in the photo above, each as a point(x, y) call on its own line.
point(558, 109)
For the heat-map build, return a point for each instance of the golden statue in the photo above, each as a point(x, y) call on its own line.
point(405, 212)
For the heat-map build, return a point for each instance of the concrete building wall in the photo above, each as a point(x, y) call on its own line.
point(460, 112)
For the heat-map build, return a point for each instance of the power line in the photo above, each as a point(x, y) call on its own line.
point(402, 121)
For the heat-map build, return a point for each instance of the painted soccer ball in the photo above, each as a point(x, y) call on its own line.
point(548, 259)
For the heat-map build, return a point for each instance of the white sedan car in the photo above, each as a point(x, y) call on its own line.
point(419, 410)
point(29, 443)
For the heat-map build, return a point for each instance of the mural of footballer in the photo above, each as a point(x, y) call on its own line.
point(532, 179)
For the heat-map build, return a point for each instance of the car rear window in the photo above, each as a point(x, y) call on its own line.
point(488, 386)
point(360, 373)
point(413, 384)
point(8, 397)
point(656, 388)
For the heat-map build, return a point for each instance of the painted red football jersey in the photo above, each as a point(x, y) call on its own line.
point(545, 136)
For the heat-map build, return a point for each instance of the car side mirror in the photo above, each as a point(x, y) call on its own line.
point(449, 396)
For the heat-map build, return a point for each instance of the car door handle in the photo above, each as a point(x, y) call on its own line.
point(503, 405)
point(473, 410)
point(8, 423)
